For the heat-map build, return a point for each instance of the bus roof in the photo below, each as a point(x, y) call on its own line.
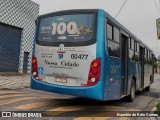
point(108, 16)
point(71, 11)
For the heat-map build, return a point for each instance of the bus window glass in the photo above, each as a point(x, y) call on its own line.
point(113, 49)
point(129, 43)
point(131, 55)
point(132, 44)
point(109, 32)
point(145, 58)
point(137, 47)
point(151, 58)
point(116, 34)
point(66, 28)
point(136, 56)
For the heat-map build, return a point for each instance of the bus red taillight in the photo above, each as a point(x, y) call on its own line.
point(94, 72)
point(34, 68)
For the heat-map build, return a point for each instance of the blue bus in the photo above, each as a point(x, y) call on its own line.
point(87, 53)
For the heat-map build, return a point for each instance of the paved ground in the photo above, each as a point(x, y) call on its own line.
point(14, 81)
point(27, 99)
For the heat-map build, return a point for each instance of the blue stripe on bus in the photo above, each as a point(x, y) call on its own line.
point(77, 91)
point(69, 90)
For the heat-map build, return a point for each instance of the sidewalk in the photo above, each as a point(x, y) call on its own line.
point(14, 80)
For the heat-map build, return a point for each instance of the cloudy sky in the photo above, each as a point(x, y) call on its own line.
point(138, 16)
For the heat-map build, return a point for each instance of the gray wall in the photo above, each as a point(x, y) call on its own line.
point(22, 14)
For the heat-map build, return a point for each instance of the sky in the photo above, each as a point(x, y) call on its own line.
point(138, 16)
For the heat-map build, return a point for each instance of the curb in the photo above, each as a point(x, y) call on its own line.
point(14, 88)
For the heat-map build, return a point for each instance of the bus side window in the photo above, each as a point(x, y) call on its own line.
point(136, 52)
point(109, 32)
point(137, 47)
point(151, 58)
point(116, 34)
point(131, 50)
point(145, 56)
point(132, 44)
point(129, 43)
point(113, 41)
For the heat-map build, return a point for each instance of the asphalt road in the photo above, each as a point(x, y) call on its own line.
point(75, 107)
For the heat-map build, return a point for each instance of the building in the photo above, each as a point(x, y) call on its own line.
point(17, 27)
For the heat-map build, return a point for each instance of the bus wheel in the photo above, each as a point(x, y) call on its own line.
point(132, 95)
point(148, 88)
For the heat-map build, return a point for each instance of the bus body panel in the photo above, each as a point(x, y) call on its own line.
point(86, 92)
point(133, 71)
point(75, 70)
point(113, 79)
point(110, 84)
point(39, 85)
point(112, 87)
point(147, 74)
point(95, 51)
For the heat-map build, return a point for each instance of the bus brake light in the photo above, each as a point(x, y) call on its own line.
point(95, 64)
point(94, 72)
point(34, 67)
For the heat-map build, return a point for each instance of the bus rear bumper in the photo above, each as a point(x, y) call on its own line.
point(93, 92)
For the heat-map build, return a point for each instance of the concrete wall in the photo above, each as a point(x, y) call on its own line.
point(22, 14)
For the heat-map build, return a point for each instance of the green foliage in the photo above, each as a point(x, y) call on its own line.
point(155, 64)
point(158, 109)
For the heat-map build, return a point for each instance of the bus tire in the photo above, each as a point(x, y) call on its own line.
point(148, 88)
point(132, 95)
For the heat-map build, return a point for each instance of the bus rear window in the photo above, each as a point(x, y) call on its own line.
point(66, 28)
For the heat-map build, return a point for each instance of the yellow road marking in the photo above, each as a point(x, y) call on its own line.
point(39, 104)
point(96, 116)
point(78, 107)
point(10, 92)
point(5, 102)
point(13, 95)
point(124, 118)
point(4, 94)
point(92, 118)
point(101, 118)
point(24, 94)
point(59, 110)
point(133, 109)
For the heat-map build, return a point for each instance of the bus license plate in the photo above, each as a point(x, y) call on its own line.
point(60, 79)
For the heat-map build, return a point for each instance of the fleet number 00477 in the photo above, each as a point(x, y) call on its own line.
point(80, 56)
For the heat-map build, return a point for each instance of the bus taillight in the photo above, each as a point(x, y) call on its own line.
point(94, 72)
point(34, 68)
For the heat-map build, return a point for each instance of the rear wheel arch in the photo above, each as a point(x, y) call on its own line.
point(133, 78)
point(132, 92)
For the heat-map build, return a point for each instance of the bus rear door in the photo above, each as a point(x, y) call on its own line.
point(124, 51)
point(142, 50)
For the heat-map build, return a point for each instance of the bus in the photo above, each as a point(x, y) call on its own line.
point(87, 53)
